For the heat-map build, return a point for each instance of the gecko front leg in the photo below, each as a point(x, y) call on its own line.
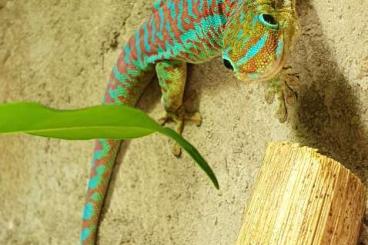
point(172, 78)
point(285, 87)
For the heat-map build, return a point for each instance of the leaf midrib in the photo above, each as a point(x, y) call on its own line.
point(79, 128)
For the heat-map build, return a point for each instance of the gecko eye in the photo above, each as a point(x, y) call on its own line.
point(228, 64)
point(268, 20)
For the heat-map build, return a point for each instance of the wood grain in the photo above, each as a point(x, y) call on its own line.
point(303, 197)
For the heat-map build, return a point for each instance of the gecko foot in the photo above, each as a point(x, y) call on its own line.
point(285, 87)
point(180, 117)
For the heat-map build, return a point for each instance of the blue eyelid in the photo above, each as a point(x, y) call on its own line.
point(267, 23)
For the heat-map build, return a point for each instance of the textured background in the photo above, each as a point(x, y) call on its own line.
point(59, 52)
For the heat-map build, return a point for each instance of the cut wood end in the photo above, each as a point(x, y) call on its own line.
point(303, 197)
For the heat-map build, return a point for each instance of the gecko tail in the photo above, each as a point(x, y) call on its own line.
point(128, 79)
point(125, 86)
point(101, 170)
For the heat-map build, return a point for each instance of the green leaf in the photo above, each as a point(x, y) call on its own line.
point(112, 122)
point(192, 152)
point(105, 121)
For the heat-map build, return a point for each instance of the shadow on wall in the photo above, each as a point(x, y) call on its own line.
point(328, 115)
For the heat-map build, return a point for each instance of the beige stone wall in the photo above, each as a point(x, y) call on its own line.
point(59, 52)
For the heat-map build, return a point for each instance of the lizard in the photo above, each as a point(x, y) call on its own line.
point(253, 37)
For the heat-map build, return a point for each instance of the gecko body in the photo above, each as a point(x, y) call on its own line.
point(253, 37)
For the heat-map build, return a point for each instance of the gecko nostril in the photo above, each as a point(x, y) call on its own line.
point(228, 64)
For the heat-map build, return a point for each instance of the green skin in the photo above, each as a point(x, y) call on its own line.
point(253, 37)
point(266, 65)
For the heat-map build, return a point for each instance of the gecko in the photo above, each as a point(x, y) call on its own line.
point(253, 37)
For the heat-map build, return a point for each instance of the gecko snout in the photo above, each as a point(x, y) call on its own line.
point(228, 64)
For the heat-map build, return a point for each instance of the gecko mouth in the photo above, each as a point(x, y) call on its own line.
point(247, 77)
point(268, 74)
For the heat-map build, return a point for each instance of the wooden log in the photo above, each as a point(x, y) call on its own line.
point(303, 197)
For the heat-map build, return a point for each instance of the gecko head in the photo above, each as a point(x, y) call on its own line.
point(256, 40)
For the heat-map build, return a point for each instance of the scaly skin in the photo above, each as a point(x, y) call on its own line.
point(252, 35)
